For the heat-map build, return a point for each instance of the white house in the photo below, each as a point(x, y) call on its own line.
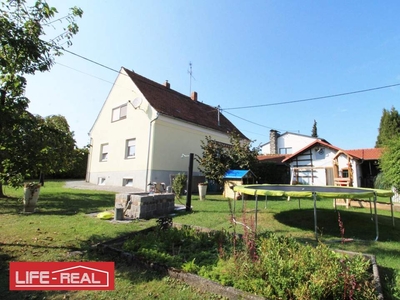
point(315, 161)
point(145, 130)
point(286, 143)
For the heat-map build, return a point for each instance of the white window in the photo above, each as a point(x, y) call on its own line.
point(104, 152)
point(101, 181)
point(287, 150)
point(119, 113)
point(130, 151)
point(127, 182)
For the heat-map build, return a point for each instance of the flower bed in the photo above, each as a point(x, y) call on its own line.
point(268, 266)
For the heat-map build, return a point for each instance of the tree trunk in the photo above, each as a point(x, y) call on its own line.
point(1, 190)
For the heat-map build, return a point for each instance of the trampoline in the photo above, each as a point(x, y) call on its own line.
point(316, 193)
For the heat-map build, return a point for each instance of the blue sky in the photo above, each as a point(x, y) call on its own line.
point(244, 53)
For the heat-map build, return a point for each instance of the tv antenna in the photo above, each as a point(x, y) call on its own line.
point(190, 71)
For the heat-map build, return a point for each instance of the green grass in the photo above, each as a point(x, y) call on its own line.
point(61, 226)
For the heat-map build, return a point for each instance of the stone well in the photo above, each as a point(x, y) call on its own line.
point(144, 205)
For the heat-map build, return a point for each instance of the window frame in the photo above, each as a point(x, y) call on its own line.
point(127, 147)
point(286, 150)
point(127, 181)
point(122, 113)
point(103, 153)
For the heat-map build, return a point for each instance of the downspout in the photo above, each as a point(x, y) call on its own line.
point(148, 152)
point(89, 161)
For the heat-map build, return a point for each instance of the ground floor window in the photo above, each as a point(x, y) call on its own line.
point(127, 182)
point(101, 181)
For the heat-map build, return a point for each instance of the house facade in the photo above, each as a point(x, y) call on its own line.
point(145, 131)
point(286, 143)
point(318, 162)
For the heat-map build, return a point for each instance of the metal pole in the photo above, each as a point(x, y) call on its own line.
point(234, 201)
point(376, 218)
point(189, 184)
point(256, 211)
point(391, 208)
point(315, 215)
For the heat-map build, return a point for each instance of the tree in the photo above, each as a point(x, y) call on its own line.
point(389, 127)
point(54, 146)
point(389, 163)
point(218, 158)
point(314, 131)
point(22, 51)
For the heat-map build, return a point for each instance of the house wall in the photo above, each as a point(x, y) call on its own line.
point(160, 142)
point(171, 139)
point(136, 125)
point(295, 141)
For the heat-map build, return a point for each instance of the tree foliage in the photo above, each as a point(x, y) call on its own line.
point(217, 158)
point(22, 51)
point(390, 163)
point(314, 131)
point(389, 127)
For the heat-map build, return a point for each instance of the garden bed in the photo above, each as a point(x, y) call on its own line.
point(191, 251)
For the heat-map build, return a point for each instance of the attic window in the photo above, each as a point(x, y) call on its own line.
point(119, 113)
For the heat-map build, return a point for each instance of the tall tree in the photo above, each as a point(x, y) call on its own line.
point(314, 131)
point(217, 158)
point(389, 127)
point(389, 163)
point(22, 51)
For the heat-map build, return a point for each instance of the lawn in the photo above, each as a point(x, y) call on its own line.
point(62, 231)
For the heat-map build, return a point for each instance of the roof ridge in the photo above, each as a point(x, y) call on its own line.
point(155, 83)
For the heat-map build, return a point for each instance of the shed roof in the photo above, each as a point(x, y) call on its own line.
point(238, 174)
point(366, 154)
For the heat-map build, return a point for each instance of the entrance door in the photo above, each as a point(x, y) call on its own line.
point(329, 176)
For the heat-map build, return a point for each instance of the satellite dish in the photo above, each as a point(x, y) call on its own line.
point(136, 102)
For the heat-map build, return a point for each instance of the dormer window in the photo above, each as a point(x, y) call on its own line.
point(119, 113)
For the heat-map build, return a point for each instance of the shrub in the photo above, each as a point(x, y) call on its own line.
point(178, 184)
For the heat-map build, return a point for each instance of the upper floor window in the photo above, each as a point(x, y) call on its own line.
point(130, 151)
point(104, 152)
point(287, 150)
point(119, 112)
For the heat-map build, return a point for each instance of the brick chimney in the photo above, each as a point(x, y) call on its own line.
point(273, 141)
point(194, 96)
point(167, 84)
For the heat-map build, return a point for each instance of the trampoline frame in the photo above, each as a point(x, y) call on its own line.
point(314, 192)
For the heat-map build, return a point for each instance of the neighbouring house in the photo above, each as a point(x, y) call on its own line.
point(237, 177)
point(145, 132)
point(286, 143)
point(320, 163)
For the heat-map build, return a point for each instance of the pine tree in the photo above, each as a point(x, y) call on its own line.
point(389, 127)
point(314, 131)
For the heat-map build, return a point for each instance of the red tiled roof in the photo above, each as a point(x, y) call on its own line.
point(366, 154)
point(176, 105)
point(276, 158)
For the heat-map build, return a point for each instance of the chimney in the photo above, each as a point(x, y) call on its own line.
point(167, 84)
point(273, 141)
point(194, 96)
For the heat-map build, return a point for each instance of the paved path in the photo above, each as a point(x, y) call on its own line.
point(83, 185)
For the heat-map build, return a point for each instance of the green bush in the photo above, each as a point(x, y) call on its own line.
point(178, 184)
